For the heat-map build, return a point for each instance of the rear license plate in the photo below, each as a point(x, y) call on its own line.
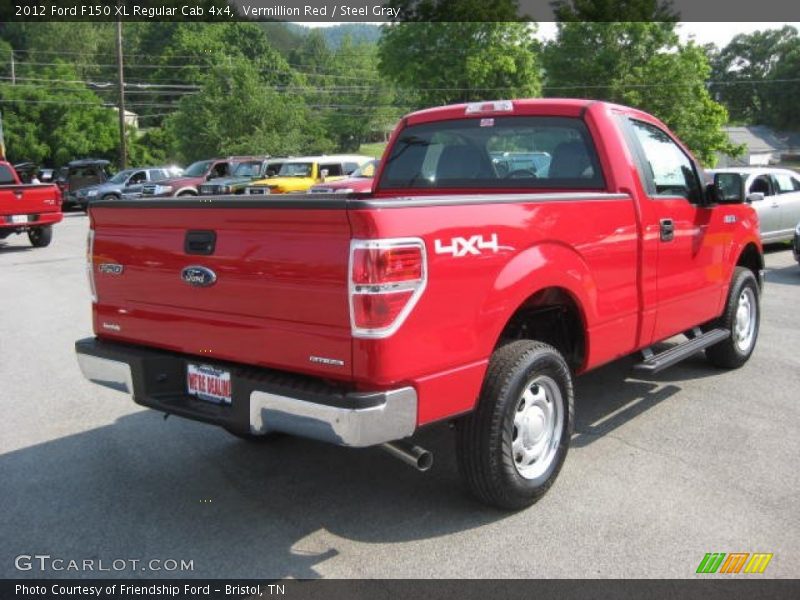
point(19, 218)
point(256, 191)
point(209, 383)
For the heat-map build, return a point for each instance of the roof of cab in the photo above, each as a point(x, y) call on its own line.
point(568, 107)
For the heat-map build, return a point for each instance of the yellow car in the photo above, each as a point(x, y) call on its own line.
point(299, 174)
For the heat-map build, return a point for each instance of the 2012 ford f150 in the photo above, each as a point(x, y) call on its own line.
point(453, 291)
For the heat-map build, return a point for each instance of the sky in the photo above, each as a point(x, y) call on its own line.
point(703, 33)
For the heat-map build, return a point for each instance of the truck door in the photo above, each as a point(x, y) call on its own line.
point(768, 208)
point(788, 197)
point(689, 239)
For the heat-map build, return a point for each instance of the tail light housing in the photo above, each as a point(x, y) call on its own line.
point(90, 263)
point(386, 279)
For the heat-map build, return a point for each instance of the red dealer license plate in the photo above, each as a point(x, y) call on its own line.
point(209, 383)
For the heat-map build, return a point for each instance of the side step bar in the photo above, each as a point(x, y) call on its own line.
point(653, 363)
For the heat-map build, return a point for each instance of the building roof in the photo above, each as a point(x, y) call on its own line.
point(762, 139)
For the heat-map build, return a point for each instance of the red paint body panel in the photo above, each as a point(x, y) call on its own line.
point(41, 202)
point(282, 293)
point(280, 296)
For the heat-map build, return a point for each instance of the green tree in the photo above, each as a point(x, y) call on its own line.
point(749, 76)
point(640, 64)
point(487, 54)
point(53, 127)
point(237, 113)
point(785, 86)
point(365, 106)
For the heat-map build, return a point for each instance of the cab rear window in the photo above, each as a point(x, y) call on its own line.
point(6, 176)
point(494, 153)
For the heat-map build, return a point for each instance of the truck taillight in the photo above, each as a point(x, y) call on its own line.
point(387, 277)
point(90, 263)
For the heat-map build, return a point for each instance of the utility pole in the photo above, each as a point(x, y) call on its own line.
point(13, 70)
point(123, 154)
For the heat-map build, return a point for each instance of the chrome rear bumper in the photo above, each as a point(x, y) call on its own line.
point(262, 400)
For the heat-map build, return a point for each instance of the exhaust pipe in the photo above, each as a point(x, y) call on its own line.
point(417, 457)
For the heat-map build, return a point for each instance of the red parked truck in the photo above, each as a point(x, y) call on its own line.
point(27, 208)
point(451, 292)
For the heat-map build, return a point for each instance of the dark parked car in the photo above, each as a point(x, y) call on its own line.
point(195, 175)
point(80, 174)
point(796, 243)
point(128, 181)
point(243, 174)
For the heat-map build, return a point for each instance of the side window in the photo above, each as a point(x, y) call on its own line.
point(349, 167)
point(783, 183)
point(334, 170)
point(138, 177)
point(761, 185)
point(6, 176)
point(671, 170)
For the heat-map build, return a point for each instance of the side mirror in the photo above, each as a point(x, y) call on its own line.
point(729, 188)
point(754, 197)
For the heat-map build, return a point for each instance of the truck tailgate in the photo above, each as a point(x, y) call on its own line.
point(30, 199)
point(279, 298)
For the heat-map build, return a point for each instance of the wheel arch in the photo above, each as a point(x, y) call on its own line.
point(752, 258)
point(550, 296)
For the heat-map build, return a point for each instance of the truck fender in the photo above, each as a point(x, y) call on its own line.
point(544, 265)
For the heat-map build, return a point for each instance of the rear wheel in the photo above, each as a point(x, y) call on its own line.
point(184, 194)
point(742, 318)
point(41, 236)
point(511, 448)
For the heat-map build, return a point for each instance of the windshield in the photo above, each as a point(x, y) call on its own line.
point(295, 170)
point(120, 177)
point(495, 153)
point(366, 170)
point(198, 169)
point(248, 169)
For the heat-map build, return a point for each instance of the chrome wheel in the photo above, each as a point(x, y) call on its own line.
point(538, 424)
point(744, 324)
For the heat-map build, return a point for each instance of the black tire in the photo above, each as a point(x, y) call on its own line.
point(40, 236)
point(484, 439)
point(109, 197)
point(732, 353)
point(184, 194)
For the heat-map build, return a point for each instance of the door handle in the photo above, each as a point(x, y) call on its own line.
point(667, 229)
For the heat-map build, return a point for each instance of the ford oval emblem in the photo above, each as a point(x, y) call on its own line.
point(198, 276)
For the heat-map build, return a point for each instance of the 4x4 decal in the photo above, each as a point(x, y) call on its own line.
point(460, 246)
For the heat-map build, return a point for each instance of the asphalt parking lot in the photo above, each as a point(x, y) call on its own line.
point(662, 470)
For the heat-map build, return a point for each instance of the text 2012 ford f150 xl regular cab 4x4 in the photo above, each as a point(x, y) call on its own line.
point(450, 292)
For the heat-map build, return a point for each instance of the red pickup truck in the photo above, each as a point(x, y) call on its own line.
point(29, 208)
point(453, 291)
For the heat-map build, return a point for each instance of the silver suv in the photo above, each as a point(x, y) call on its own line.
point(775, 194)
point(127, 182)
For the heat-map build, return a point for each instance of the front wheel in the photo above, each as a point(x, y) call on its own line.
point(41, 236)
point(742, 318)
point(510, 449)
